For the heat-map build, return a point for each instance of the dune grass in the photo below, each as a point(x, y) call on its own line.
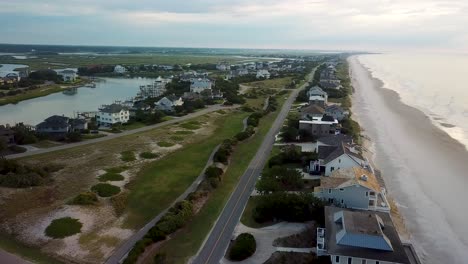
point(110, 176)
point(165, 144)
point(148, 155)
point(127, 156)
point(105, 189)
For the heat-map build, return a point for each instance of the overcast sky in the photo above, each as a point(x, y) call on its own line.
point(373, 25)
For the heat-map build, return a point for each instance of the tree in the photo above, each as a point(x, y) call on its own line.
point(290, 134)
point(3, 145)
point(244, 246)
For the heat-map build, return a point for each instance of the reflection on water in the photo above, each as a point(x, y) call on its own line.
point(85, 99)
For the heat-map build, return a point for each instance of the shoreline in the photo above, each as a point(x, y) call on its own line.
point(422, 165)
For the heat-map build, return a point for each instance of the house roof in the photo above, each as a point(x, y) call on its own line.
point(363, 234)
point(329, 153)
point(351, 176)
point(54, 121)
point(312, 109)
point(173, 98)
point(334, 108)
point(328, 118)
point(78, 121)
point(335, 140)
point(316, 91)
point(112, 108)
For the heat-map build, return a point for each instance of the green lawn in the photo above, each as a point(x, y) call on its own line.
point(247, 216)
point(33, 254)
point(92, 136)
point(187, 241)
point(30, 94)
point(271, 83)
point(159, 183)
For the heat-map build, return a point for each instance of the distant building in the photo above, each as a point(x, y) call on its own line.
point(263, 74)
point(10, 75)
point(317, 96)
point(67, 75)
point(323, 126)
point(331, 158)
point(7, 135)
point(353, 187)
point(120, 69)
point(201, 84)
point(109, 115)
point(336, 111)
point(60, 125)
point(360, 237)
point(311, 112)
point(223, 66)
point(168, 103)
point(333, 140)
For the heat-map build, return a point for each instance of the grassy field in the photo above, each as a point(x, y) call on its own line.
point(14, 99)
point(9, 244)
point(61, 61)
point(247, 216)
point(163, 181)
point(187, 241)
point(271, 83)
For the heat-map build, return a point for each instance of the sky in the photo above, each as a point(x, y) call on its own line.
point(361, 25)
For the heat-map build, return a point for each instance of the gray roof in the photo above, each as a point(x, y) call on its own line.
point(329, 153)
point(54, 121)
point(334, 108)
point(363, 234)
point(312, 109)
point(112, 108)
point(316, 91)
point(335, 140)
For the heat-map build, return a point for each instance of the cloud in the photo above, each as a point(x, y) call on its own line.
point(367, 24)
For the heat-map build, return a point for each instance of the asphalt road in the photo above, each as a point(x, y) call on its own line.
point(125, 133)
point(8, 258)
point(218, 240)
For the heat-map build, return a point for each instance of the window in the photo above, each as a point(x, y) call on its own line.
point(337, 259)
point(342, 201)
point(341, 190)
point(329, 190)
point(364, 261)
point(350, 260)
point(339, 160)
point(367, 194)
point(332, 168)
point(377, 262)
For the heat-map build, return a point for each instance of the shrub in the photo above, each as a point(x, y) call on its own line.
point(222, 155)
point(63, 227)
point(137, 250)
point(105, 189)
point(214, 183)
point(184, 132)
point(17, 149)
point(155, 234)
point(149, 155)
point(213, 172)
point(116, 169)
point(119, 203)
point(127, 156)
point(165, 144)
point(243, 247)
point(110, 176)
point(177, 138)
point(159, 258)
point(85, 198)
point(16, 175)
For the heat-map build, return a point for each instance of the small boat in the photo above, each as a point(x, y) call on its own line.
point(90, 85)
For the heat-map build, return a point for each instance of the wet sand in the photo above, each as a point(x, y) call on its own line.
point(425, 170)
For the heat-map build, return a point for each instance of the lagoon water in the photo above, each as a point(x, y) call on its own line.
point(414, 110)
point(35, 110)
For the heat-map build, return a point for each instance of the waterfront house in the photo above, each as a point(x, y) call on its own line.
point(311, 112)
point(168, 103)
point(323, 126)
point(11, 75)
point(54, 125)
point(357, 237)
point(68, 75)
point(139, 106)
point(317, 96)
point(223, 66)
point(332, 140)
point(336, 111)
point(263, 74)
point(109, 115)
point(119, 69)
point(353, 187)
point(201, 84)
point(7, 135)
point(331, 158)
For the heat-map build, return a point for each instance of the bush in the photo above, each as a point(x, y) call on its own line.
point(85, 198)
point(105, 189)
point(165, 144)
point(73, 137)
point(160, 258)
point(17, 149)
point(127, 156)
point(213, 172)
point(63, 227)
point(137, 250)
point(222, 155)
point(243, 247)
point(110, 176)
point(116, 169)
point(148, 155)
point(119, 203)
point(184, 132)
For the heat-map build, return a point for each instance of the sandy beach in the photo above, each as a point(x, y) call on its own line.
point(425, 170)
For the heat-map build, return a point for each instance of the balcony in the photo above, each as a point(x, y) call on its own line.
point(321, 247)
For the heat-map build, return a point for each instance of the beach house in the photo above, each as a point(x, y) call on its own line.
point(332, 140)
point(311, 112)
point(353, 187)
point(68, 75)
point(360, 237)
point(109, 115)
point(317, 96)
point(265, 74)
point(119, 69)
point(326, 125)
point(200, 84)
point(331, 158)
point(168, 103)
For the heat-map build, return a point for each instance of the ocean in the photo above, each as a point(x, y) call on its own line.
point(435, 84)
point(413, 109)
